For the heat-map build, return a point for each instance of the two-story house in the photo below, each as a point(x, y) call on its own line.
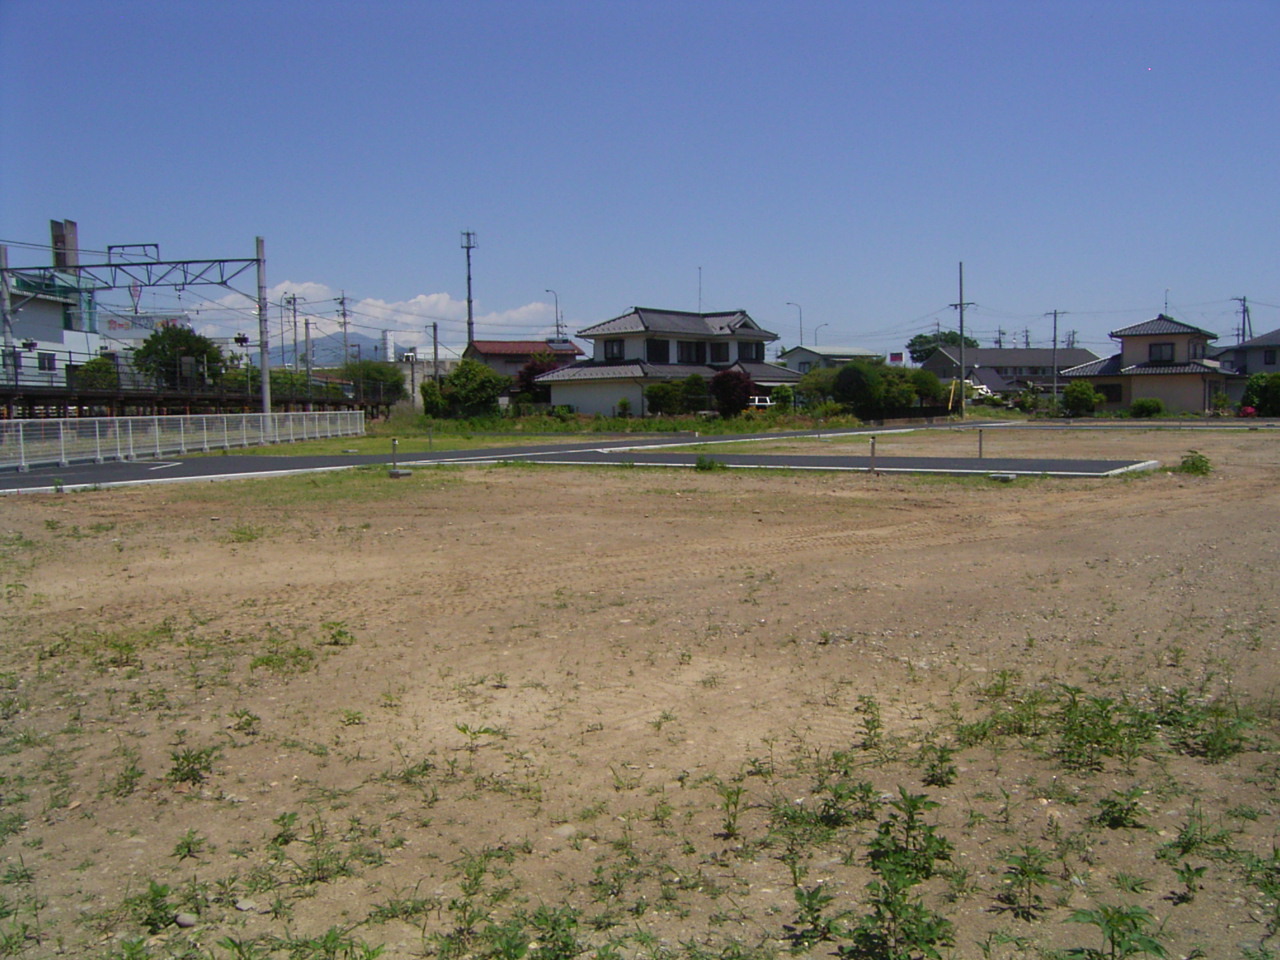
point(1257, 355)
point(804, 359)
point(645, 346)
point(1164, 359)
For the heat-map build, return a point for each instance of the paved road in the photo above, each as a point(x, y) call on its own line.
point(663, 450)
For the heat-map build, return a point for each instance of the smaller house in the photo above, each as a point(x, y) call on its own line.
point(508, 357)
point(1162, 359)
point(803, 359)
point(1007, 369)
point(1258, 355)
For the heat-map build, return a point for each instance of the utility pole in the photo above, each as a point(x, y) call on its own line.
point(999, 338)
point(342, 308)
point(469, 244)
point(960, 306)
point(306, 322)
point(6, 309)
point(1246, 324)
point(264, 355)
point(435, 351)
point(1071, 339)
point(1055, 355)
point(1026, 338)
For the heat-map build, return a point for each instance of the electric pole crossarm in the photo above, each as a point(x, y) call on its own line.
point(156, 273)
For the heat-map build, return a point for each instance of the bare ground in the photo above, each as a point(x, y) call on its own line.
point(520, 711)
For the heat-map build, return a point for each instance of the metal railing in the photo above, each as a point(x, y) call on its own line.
point(28, 443)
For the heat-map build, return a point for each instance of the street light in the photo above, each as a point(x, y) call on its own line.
point(557, 296)
point(801, 312)
point(815, 332)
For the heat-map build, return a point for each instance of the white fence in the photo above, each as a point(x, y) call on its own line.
point(27, 443)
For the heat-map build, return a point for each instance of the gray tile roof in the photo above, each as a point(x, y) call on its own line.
point(679, 323)
point(1161, 326)
point(1111, 367)
point(1271, 339)
point(1018, 356)
point(765, 374)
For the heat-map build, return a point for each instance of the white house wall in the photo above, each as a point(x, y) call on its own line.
point(597, 397)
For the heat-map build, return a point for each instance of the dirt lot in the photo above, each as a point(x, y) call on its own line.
point(543, 712)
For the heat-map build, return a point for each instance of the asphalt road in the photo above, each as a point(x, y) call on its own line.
point(664, 450)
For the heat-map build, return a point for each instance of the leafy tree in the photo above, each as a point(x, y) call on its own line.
point(693, 394)
point(731, 391)
point(1079, 399)
point(100, 373)
point(662, 399)
point(433, 402)
point(472, 389)
point(178, 357)
point(376, 379)
point(539, 363)
point(922, 345)
point(927, 386)
point(1262, 392)
point(784, 398)
point(860, 387)
point(817, 385)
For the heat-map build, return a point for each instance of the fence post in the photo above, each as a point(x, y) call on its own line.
point(979, 443)
point(156, 427)
point(204, 422)
point(22, 447)
point(132, 455)
point(62, 443)
point(873, 453)
point(182, 435)
point(97, 440)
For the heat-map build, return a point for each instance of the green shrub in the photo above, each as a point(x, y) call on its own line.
point(1145, 407)
point(1195, 463)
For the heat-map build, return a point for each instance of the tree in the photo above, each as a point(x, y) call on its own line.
point(1079, 399)
point(860, 387)
point(433, 402)
point(179, 357)
point(376, 380)
point(100, 373)
point(817, 385)
point(539, 363)
point(784, 398)
point(1262, 392)
point(693, 394)
point(927, 386)
point(662, 399)
point(731, 390)
point(472, 389)
point(922, 345)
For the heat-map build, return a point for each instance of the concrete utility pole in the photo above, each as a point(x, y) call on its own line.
point(801, 313)
point(342, 308)
point(435, 351)
point(469, 244)
point(306, 322)
point(960, 306)
point(1246, 324)
point(6, 309)
point(264, 336)
point(1055, 354)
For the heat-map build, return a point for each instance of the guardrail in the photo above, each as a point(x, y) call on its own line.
point(28, 443)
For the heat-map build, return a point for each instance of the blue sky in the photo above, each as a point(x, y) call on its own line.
point(1084, 156)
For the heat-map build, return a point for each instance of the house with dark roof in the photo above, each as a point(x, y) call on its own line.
point(1256, 355)
point(804, 359)
point(508, 357)
point(1007, 369)
point(645, 346)
point(1163, 359)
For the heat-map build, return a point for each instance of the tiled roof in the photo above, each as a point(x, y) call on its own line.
point(734, 323)
point(521, 348)
point(1110, 367)
point(836, 353)
point(765, 374)
point(1271, 339)
point(1018, 356)
point(1161, 326)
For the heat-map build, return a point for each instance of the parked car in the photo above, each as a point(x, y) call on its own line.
point(760, 403)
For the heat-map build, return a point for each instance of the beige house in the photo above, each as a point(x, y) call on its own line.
point(1163, 359)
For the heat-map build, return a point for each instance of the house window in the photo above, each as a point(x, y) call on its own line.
point(657, 351)
point(719, 352)
point(1160, 353)
point(1196, 350)
point(805, 366)
point(1110, 392)
point(1268, 358)
point(751, 352)
point(613, 349)
point(46, 361)
point(691, 351)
